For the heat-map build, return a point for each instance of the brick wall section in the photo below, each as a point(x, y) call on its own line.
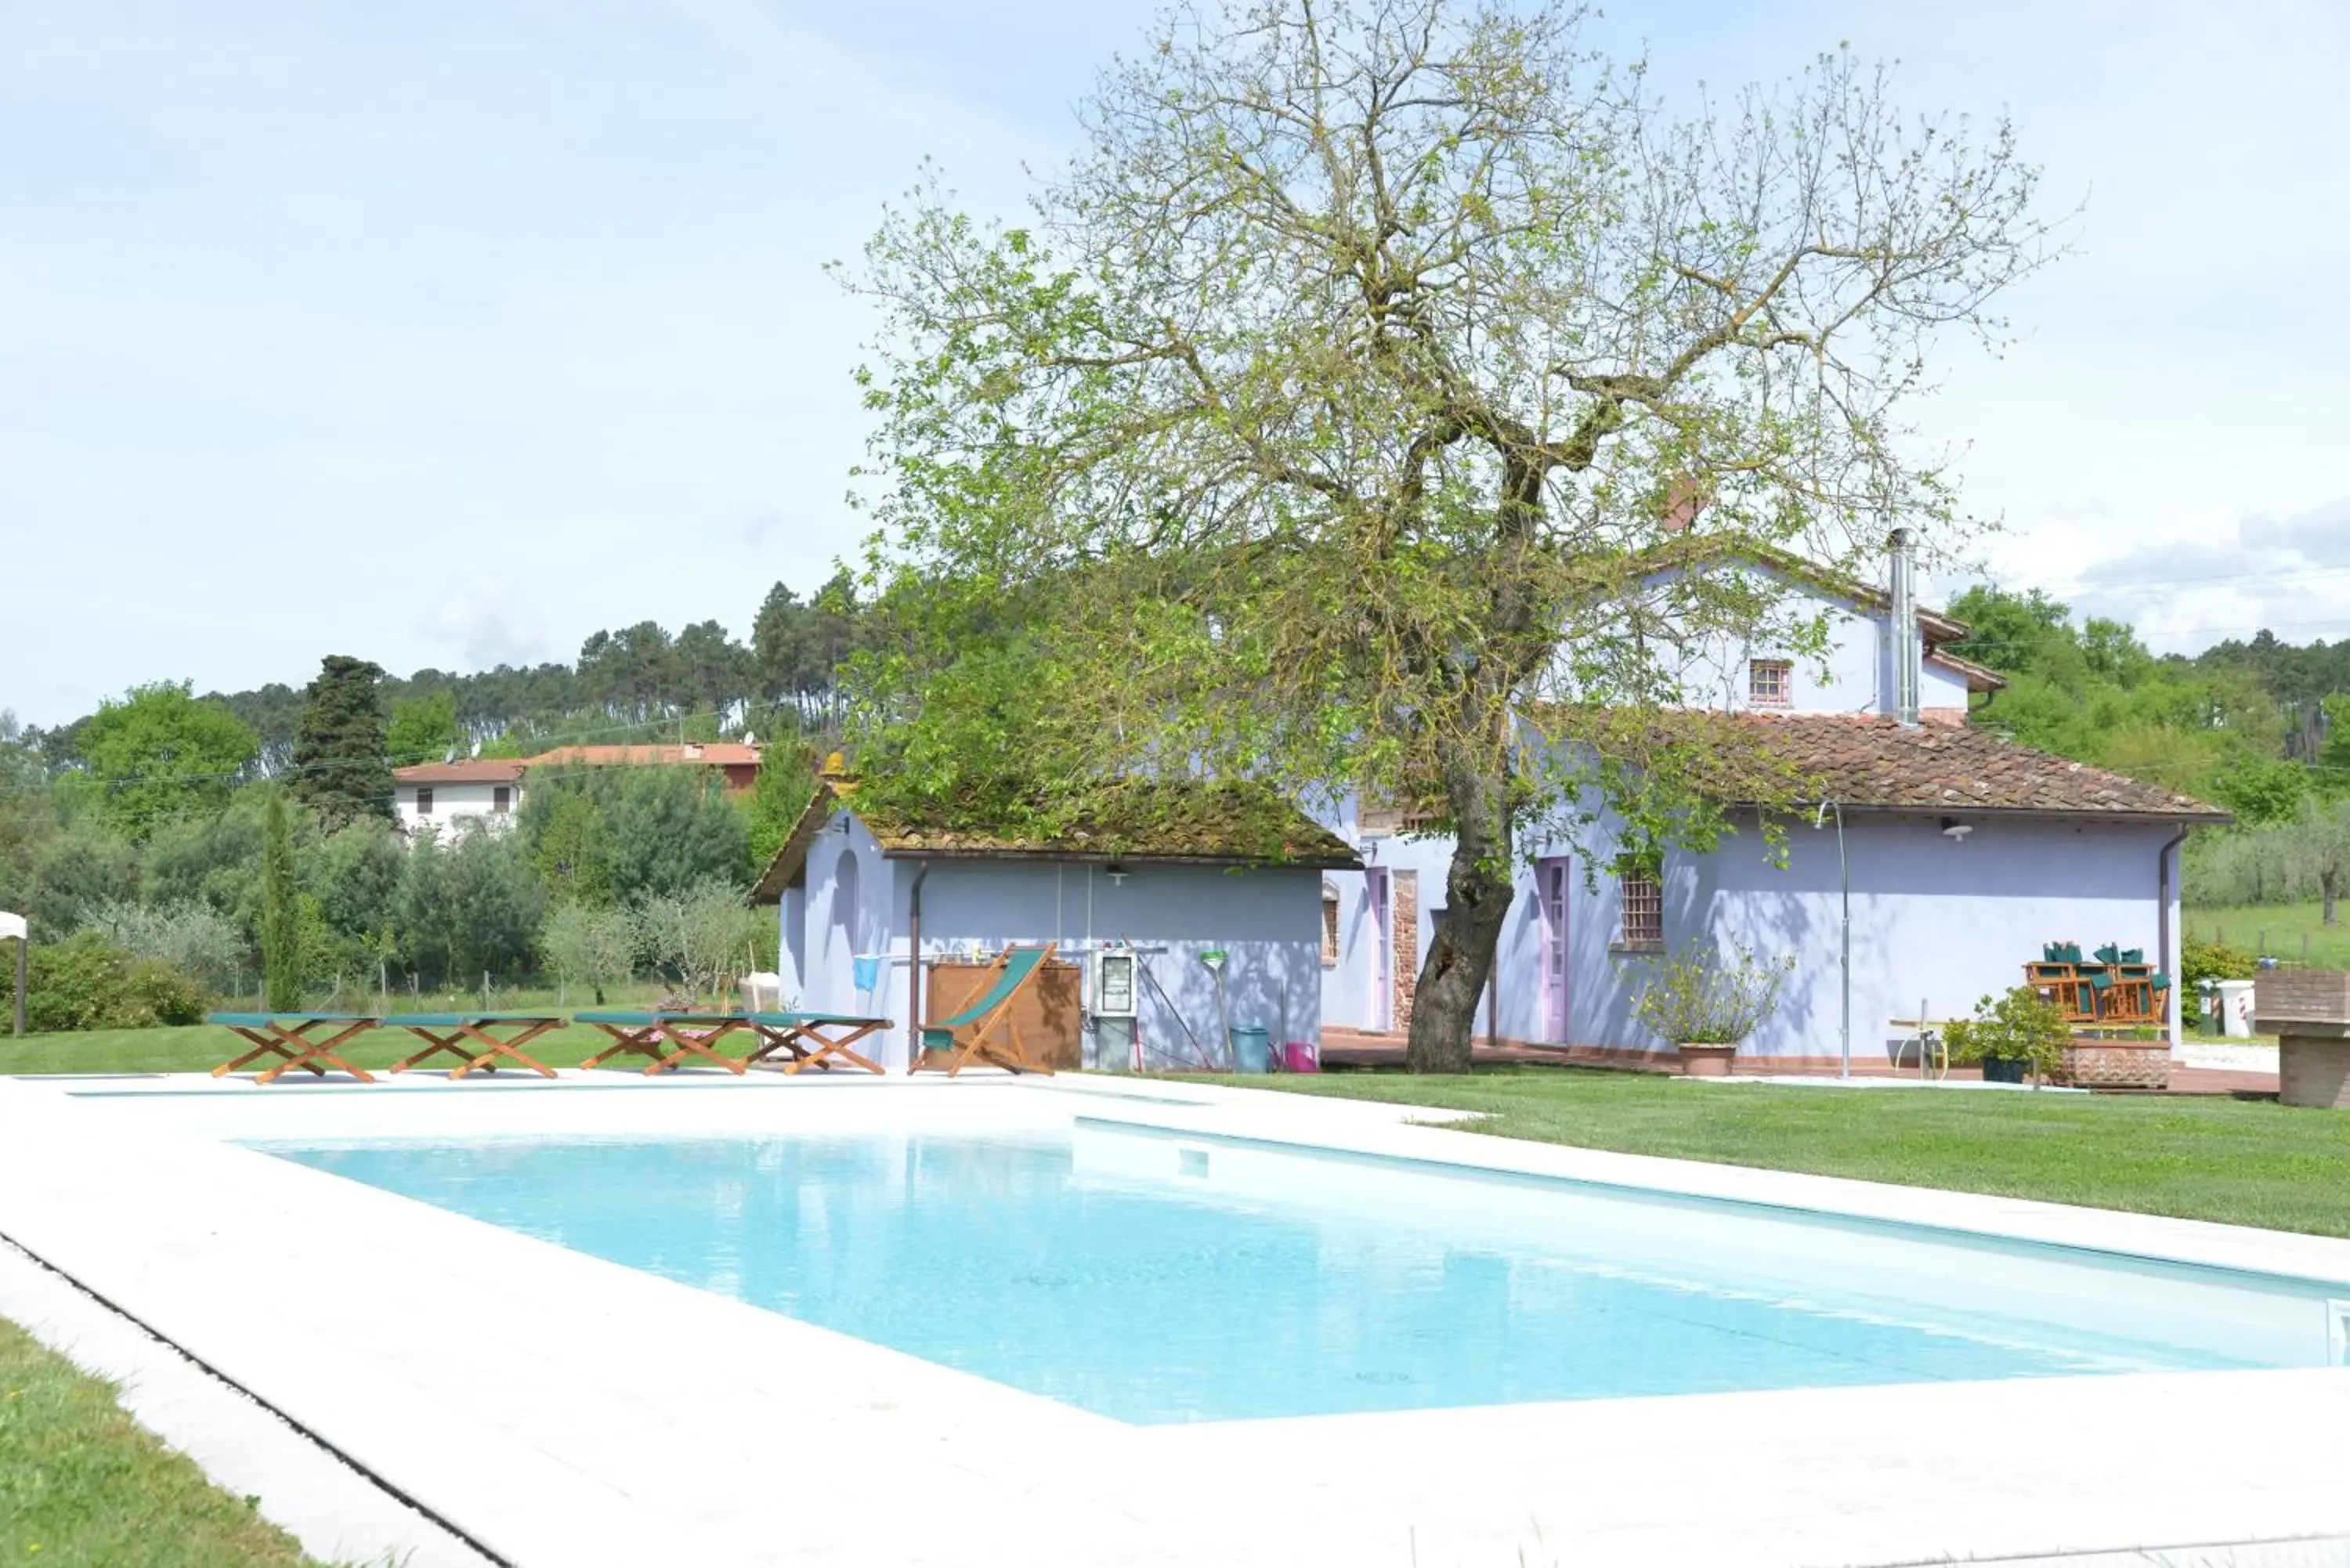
point(2308, 994)
point(1406, 966)
point(2116, 1064)
point(2314, 1073)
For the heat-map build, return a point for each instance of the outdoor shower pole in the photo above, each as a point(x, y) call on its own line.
point(1844, 880)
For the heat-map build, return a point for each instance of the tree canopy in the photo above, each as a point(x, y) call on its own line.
point(158, 754)
point(1324, 425)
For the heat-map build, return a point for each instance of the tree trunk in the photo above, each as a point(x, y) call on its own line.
point(1477, 889)
point(2325, 887)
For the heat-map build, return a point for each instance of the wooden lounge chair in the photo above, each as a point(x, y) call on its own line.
point(473, 1040)
point(645, 1032)
point(814, 1039)
point(287, 1035)
point(984, 1031)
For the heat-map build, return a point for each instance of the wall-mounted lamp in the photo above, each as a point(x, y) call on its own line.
point(1954, 830)
point(1116, 872)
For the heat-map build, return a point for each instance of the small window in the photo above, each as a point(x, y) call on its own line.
point(1770, 682)
point(1329, 924)
point(423, 802)
point(1644, 909)
point(502, 797)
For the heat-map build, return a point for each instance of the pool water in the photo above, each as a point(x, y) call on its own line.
point(1154, 1279)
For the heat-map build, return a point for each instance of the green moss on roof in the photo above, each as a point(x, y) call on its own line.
point(1234, 822)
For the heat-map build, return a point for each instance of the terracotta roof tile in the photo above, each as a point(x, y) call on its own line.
point(1862, 761)
point(473, 769)
point(714, 754)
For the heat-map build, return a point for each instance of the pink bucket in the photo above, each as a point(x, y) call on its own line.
point(1299, 1056)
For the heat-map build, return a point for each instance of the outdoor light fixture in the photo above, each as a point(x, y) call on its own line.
point(1116, 872)
point(1955, 830)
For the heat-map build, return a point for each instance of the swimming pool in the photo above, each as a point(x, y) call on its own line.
point(1157, 1277)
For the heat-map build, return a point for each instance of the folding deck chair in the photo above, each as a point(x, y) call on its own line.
point(983, 1029)
point(831, 1034)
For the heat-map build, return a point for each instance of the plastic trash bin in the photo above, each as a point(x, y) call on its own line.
point(1252, 1048)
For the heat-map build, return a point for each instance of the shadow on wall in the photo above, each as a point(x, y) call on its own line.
point(1275, 986)
point(1780, 918)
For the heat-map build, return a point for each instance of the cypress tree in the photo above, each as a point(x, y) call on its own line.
point(281, 918)
point(341, 765)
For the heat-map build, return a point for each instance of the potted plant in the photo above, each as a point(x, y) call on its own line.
point(1707, 1003)
point(2017, 1035)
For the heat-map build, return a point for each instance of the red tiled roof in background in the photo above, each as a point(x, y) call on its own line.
point(713, 754)
point(1864, 761)
point(473, 769)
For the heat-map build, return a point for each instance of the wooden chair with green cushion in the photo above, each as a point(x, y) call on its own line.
point(984, 1031)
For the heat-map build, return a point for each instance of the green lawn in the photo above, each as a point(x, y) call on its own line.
point(82, 1483)
point(2243, 1162)
point(2294, 932)
point(204, 1046)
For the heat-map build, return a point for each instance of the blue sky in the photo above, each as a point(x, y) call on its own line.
point(446, 333)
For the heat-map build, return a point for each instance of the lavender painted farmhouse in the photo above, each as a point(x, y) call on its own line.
point(1965, 853)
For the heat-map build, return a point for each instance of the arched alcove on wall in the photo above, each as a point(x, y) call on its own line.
point(845, 892)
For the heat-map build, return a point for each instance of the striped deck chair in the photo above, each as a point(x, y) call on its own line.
point(984, 1031)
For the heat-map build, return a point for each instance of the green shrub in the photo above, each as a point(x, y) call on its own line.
point(85, 982)
point(1696, 998)
point(2018, 1026)
point(157, 993)
point(2200, 960)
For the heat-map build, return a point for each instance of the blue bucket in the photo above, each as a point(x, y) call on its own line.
point(1252, 1048)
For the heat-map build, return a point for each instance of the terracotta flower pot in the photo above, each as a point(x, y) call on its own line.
point(1703, 1061)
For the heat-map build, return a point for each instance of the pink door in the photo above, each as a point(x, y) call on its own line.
point(1378, 1015)
point(1550, 887)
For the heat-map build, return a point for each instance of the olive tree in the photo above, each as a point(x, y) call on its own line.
point(1333, 418)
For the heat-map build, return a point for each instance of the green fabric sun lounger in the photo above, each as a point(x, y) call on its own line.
point(831, 1035)
point(443, 1031)
point(287, 1035)
point(646, 1032)
point(983, 1029)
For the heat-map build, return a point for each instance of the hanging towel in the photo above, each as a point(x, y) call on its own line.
point(868, 968)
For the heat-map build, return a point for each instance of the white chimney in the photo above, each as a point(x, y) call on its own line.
point(1907, 676)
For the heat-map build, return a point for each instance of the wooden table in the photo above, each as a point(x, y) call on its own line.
point(442, 1031)
point(645, 1033)
point(287, 1035)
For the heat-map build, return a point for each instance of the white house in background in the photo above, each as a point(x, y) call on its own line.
point(1964, 855)
point(441, 795)
point(437, 795)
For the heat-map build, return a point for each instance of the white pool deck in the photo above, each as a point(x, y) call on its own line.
point(560, 1410)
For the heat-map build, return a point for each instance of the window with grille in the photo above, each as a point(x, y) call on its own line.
point(1644, 909)
point(501, 797)
point(423, 802)
point(1329, 925)
point(1770, 682)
